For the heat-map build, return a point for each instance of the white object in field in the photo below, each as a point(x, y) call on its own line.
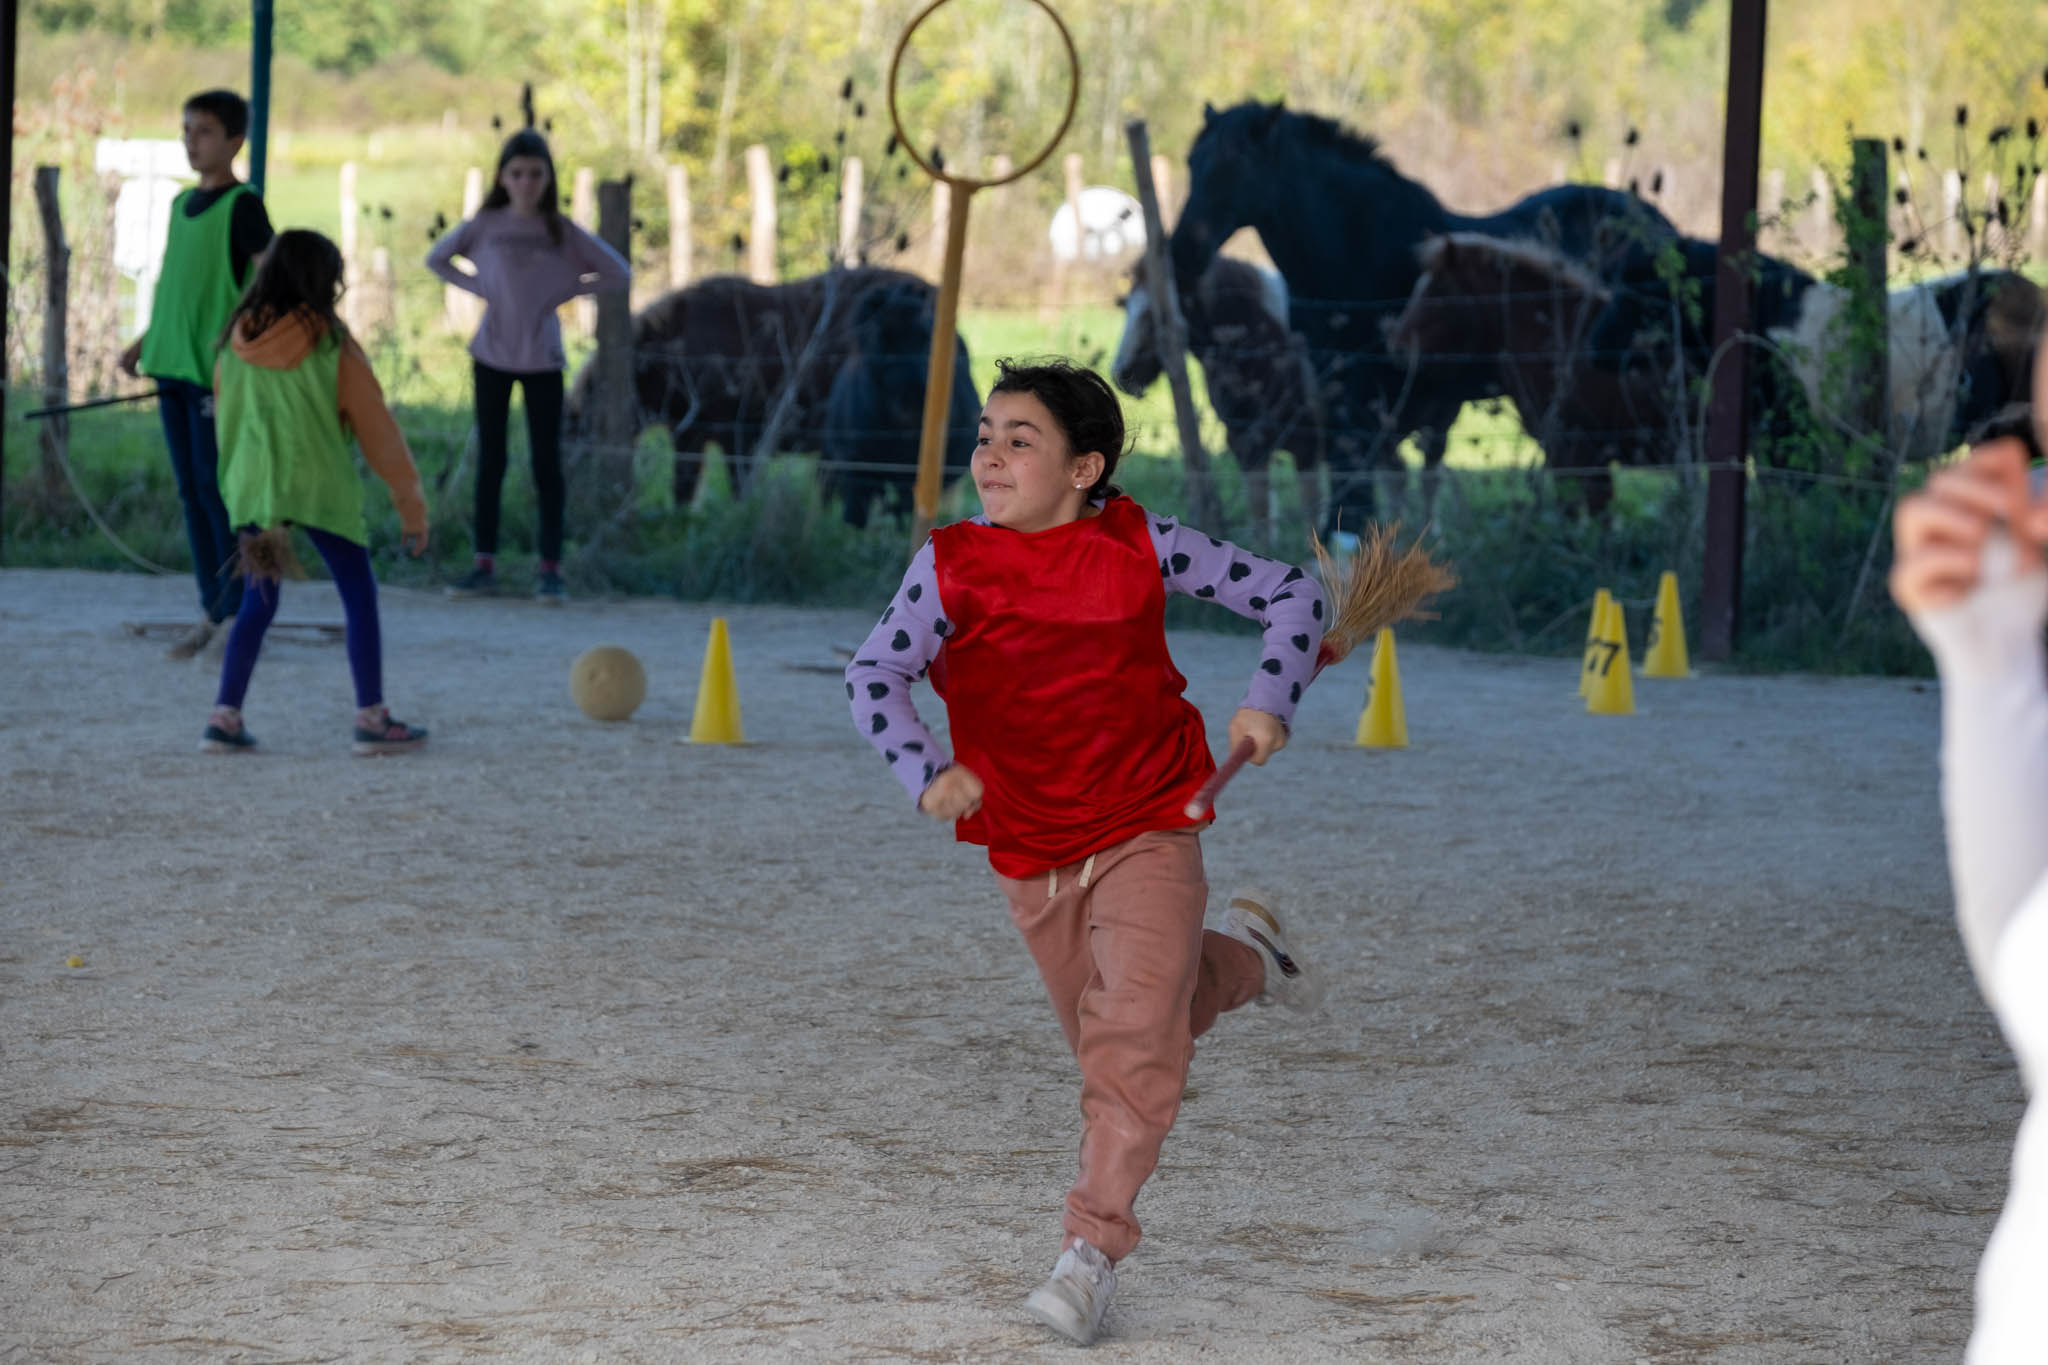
point(1112, 226)
point(152, 171)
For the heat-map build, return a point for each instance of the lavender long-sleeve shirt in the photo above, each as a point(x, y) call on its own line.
point(1286, 603)
point(523, 276)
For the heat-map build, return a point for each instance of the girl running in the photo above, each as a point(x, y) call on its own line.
point(291, 385)
point(528, 260)
point(1041, 623)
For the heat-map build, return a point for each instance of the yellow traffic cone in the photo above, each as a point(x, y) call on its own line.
point(718, 695)
point(1664, 652)
point(1610, 692)
point(1384, 723)
point(1601, 599)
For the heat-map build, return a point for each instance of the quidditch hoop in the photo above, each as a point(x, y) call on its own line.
point(971, 182)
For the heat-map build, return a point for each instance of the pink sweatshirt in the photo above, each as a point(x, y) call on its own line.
point(523, 277)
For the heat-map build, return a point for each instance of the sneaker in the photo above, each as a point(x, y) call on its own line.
point(225, 733)
point(478, 582)
point(191, 642)
point(547, 588)
point(378, 733)
point(1075, 1297)
point(1251, 921)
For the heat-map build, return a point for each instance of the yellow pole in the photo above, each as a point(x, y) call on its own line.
point(938, 389)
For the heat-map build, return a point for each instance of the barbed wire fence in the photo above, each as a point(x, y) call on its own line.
point(1504, 501)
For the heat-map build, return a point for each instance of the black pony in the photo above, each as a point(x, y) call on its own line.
point(1342, 225)
point(874, 413)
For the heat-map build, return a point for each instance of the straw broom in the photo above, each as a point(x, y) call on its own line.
point(1379, 587)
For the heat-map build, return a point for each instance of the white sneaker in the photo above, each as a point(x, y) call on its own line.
point(1074, 1299)
point(1251, 921)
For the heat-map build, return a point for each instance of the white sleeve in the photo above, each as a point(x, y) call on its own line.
point(1994, 747)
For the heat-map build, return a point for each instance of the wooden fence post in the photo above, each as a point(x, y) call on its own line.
point(678, 184)
point(56, 433)
point(851, 189)
point(1204, 507)
point(1867, 256)
point(383, 288)
point(465, 310)
point(761, 190)
point(1823, 213)
point(583, 212)
point(351, 272)
point(1952, 215)
point(1162, 186)
point(1996, 239)
point(615, 427)
point(2037, 220)
point(1062, 271)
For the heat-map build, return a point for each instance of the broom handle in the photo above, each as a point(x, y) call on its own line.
point(1198, 804)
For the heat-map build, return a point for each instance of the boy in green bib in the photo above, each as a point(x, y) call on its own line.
point(217, 231)
point(294, 388)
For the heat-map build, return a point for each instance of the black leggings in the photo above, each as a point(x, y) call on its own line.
point(543, 430)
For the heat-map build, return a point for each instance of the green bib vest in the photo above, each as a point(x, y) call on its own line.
point(284, 455)
point(195, 293)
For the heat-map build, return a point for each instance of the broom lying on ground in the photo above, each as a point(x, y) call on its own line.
point(1380, 586)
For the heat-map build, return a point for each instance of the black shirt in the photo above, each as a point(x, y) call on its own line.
point(248, 234)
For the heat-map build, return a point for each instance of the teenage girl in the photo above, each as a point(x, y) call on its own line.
point(1041, 623)
point(1969, 573)
point(290, 387)
point(527, 261)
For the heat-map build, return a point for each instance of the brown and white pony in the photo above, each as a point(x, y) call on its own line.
point(1527, 309)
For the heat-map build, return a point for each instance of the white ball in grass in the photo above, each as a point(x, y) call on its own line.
point(607, 682)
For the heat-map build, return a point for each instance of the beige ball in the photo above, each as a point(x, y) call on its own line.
point(607, 682)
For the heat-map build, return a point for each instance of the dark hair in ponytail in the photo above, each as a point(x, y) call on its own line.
point(300, 275)
point(1081, 401)
point(526, 142)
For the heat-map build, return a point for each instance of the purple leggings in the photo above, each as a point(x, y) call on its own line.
point(350, 565)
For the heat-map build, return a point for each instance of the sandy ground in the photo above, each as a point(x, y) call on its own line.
point(1648, 1039)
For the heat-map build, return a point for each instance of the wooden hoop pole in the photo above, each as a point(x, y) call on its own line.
point(938, 389)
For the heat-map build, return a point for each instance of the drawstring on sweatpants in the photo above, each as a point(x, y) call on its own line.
point(1052, 878)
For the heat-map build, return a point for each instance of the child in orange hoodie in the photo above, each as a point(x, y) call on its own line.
point(290, 386)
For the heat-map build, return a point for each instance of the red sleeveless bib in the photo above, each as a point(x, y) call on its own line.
point(1060, 692)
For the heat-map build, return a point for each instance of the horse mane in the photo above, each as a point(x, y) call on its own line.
point(1541, 257)
point(1317, 130)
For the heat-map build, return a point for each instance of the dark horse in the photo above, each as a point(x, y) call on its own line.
point(1531, 309)
point(1342, 224)
point(723, 360)
point(1256, 371)
point(874, 414)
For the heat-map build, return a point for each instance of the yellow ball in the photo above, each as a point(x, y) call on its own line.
point(74, 961)
point(607, 682)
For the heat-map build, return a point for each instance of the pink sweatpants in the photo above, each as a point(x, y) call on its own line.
point(1135, 980)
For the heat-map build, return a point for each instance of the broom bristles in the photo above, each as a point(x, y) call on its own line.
point(268, 556)
point(1379, 587)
